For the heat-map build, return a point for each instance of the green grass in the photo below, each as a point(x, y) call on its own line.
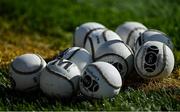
point(46, 27)
point(127, 100)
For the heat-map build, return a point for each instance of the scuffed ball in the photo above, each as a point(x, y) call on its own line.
point(97, 38)
point(60, 78)
point(100, 80)
point(25, 71)
point(80, 56)
point(153, 35)
point(154, 60)
point(83, 31)
point(130, 31)
point(117, 53)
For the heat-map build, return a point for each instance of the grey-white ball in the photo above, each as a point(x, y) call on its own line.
point(97, 38)
point(154, 60)
point(119, 54)
point(130, 31)
point(80, 56)
point(153, 35)
point(83, 30)
point(60, 79)
point(100, 80)
point(25, 71)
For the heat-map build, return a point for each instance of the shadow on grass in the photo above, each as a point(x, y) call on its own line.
point(11, 99)
point(37, 100)
point(134, 81)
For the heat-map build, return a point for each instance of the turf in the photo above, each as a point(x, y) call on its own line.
point(46, 27)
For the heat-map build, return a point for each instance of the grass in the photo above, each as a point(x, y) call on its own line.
point(46, 27)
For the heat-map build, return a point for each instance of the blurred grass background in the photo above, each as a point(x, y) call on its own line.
point(47, 26)
point(56, 17)
point(51, 17)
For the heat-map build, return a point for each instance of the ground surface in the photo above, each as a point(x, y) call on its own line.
point(46, 27)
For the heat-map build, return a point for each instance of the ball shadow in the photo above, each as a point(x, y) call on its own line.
point(134, 80)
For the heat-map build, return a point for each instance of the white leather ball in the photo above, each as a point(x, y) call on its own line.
point(25, 71)
point(97, 38)
point(154, 60)
point(130, 31)
point(83, 31)
point(119, 54)
point(100, 80)
point(153, 35)
point(80, 56)
point(60, 79)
